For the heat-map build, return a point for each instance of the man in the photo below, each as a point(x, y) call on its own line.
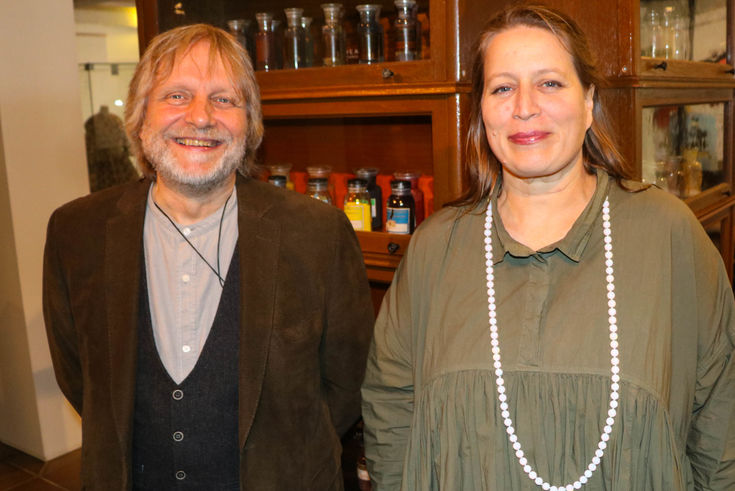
point(210, 329)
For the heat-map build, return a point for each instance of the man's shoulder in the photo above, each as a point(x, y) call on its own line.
point(285, 206)
point(102, 204)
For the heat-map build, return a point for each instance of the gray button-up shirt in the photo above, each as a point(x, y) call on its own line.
point(183, 292)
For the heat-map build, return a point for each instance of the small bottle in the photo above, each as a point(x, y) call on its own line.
point(357, 204)
point(308, 41)
point(406, 31)
point(282, 170)
point(400, 217)
point(294, 39)
point(265, 43)
point(277, 181)
point(418, 195)
point(333, 35)
point(370, 34)
point(277, 29)
point(318, 188)
point(376, 195)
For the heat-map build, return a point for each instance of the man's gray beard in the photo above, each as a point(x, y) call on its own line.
point(163, 162)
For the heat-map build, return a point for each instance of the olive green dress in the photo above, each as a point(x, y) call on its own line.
point(430, 403)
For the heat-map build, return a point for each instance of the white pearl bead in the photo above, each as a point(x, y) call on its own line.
point(578, 484)
point(608, 429)
point(596, 461)
point(546, 486)
point(503, 406)
point(583, 479)
point(538, 481)
point(513, 438)
point(532, 474)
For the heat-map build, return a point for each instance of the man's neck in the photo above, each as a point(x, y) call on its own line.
point(184, 209)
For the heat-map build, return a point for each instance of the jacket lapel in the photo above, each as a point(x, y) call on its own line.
point(123, 254)
point(259, 239)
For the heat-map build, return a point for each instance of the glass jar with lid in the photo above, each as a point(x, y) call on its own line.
point(400, 216)
point(406, 31)
point(318, 188)
point(265, 43)
point(294, 39)
point(418, 196)
point(281, 170)
point(333, 35)
point(277, 181)
point(370, 34)
point(357, 204)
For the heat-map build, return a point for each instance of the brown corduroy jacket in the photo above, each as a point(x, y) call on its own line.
point(305, 328)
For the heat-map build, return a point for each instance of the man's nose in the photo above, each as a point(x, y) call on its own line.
point(200, 113)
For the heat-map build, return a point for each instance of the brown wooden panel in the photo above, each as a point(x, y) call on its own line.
point(346, 143)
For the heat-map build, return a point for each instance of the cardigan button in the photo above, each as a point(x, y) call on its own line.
point(178, 436)
point(180, 475)
point(178, 394)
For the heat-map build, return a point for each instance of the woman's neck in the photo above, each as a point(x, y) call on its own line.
point(540, 211)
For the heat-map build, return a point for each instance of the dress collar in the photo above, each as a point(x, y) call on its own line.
point(572, 245)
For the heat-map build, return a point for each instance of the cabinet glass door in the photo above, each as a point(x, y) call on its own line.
point(693, 30)
point(683, 147)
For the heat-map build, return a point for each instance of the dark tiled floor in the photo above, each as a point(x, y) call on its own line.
point(21, 472)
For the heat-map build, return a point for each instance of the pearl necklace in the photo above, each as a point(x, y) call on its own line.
point(614, 361)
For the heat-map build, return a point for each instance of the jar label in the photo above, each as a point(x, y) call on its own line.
point(398, 220)
point(359, 215)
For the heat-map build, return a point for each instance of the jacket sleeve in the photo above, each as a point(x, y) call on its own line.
point(388, 391)
point(346, 337)
point(57, 313)
point(711, 438)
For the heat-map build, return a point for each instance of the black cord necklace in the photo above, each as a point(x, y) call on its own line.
point(219, 239)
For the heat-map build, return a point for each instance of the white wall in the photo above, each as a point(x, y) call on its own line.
point(42, 165)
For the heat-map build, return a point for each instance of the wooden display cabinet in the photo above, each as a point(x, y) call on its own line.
point(414, 114)
point(391, 115)
point(639, 82)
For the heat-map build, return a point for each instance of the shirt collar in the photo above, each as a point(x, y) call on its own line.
point(202, 227)
point(572, 245)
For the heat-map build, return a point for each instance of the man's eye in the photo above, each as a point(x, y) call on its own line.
point(224, 100)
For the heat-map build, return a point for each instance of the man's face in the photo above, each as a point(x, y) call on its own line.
point(194, 133)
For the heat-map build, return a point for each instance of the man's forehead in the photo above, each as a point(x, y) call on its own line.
point(199, 55)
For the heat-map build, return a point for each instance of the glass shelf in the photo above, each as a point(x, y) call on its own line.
point(683, 147)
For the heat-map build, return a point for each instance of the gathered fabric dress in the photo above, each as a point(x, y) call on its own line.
point(430, 403)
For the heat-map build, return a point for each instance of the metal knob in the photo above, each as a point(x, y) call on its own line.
point(393, 247)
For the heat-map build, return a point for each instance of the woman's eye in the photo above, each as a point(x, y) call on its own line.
point(501, 90)
point(551, 84)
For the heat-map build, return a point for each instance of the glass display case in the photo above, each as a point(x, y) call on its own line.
point(683, 147)
point(684, 30)
point(104, 84)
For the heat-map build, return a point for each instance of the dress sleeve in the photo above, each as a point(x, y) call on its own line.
point(349, 327)
point(60, 328)
point(388, 391)
point(711, 438)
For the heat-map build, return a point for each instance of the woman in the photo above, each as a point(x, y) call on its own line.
point(560, 327)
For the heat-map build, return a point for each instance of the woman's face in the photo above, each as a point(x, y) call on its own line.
point(534, 107)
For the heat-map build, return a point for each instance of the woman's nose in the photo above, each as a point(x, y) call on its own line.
point(526, 106)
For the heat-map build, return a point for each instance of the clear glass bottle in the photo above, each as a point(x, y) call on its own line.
point(321, 172)
point(318, 188)
point(418, 195)
point(294, 39)
point(265, 43)
point(406, 31)
point(277, 28)
point(400, 209)
point(370, 34)
point(308, 42)
point(376, 195)
point(333, 35)
point(357, 204)
point(240, 28)
point(281, 170)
